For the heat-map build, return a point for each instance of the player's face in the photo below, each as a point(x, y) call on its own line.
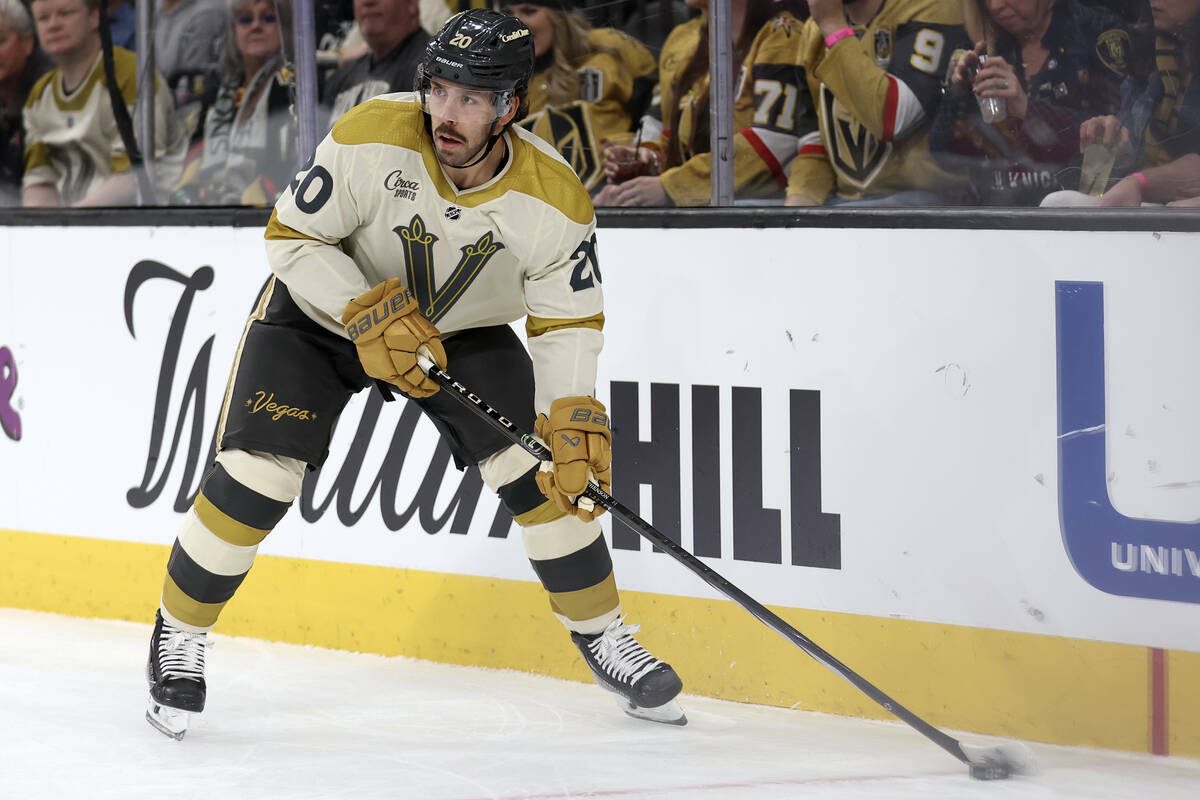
point(64, 26)
point(1172, 15)
point(461, 119)
point(537, 19)
point(256, 30)
point(14, 52)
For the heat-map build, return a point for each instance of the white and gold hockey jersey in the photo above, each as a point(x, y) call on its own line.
point(376, 204)
point(72, 141)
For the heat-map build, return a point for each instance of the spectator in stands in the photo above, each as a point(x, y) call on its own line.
point(249, 145)
point(1176, 183)
point(588, 83)
point(435, 13)
point(21, 64)
point(74, 154)
point(1159, 122)
point(874, 72)
point(392, 31)
point(1054, 64)
point(671, 164)
point(187, 43)
point(122, 22)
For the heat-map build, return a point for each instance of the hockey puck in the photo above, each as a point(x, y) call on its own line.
point(990, 772)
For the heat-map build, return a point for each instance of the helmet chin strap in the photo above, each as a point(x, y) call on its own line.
point(483, 153)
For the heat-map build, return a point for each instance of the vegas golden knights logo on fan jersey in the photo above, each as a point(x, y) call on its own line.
point(417, 244)
point(855, 152)
point(569, 131)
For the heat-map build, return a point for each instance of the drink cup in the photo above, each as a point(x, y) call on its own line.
point(622, 149)
point(992, 109)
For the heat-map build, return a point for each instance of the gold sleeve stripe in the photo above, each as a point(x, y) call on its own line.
point(226, 528)
point(588, 603)
point(36, 155)
point(119, 163)
point(536, 326)
point(187, 610)
point(381, 122)
point(546, 512)
point(277, 230)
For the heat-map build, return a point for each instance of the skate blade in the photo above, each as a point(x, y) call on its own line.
point(669, 713)
point(166, 720)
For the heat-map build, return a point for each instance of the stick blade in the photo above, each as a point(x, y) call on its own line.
point(996, 762)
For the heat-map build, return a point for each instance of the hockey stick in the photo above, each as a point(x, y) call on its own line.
point(985, 762)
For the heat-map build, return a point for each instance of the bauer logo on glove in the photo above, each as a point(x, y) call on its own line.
point(379, 313)
point(577, 431)
point(388, 330)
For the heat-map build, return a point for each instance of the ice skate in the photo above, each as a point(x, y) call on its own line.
point(175, 671)
point(645, 687)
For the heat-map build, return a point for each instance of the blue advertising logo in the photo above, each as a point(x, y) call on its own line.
point(10, 420)
point(1116, 554)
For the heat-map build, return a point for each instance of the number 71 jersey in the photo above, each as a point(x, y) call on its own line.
point(376, 204)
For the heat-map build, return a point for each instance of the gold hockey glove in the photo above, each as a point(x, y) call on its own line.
point(580, 441)
point(388, 328)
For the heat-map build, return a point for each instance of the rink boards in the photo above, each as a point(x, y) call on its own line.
point(962, 461)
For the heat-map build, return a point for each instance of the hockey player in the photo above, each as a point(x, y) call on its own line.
point(875, 73)
point(378, 250)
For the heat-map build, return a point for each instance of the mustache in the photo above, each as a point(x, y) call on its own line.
point(442, 130)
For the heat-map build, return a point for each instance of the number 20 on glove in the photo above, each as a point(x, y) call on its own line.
point(580, 441)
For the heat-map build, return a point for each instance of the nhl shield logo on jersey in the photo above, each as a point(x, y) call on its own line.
point(400, 186)
point(453, 212)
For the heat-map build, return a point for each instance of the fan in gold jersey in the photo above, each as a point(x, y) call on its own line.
point(771, 111)
point(588, 84)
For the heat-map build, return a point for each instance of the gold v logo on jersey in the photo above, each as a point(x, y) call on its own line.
point(417, 243)
point(854, 152)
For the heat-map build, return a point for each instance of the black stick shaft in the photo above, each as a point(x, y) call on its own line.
point(698, 567)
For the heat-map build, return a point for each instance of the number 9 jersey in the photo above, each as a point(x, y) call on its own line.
point(376, 204)
point(875, 94)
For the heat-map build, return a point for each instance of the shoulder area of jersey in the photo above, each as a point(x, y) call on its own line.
point(540, 171)
point(783, 24)
point(914, 12)
point(395, 119)
point(615, 39)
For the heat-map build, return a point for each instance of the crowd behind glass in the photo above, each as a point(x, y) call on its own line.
point(866, 102)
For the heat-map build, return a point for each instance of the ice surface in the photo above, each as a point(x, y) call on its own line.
point(294, 722)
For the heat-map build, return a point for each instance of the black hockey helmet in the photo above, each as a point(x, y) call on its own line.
point(482, 49)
